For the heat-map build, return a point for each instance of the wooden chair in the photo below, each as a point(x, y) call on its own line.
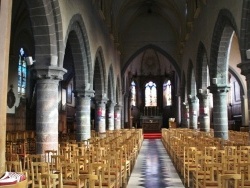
point(229, 180)
point(38, 168)
point(201, 171)
point(189, 163)
point(211, 181)
point(49, 180)
point(48, 153)
point(103, 170)
point(70, 173)
point(89, 180)
point(55, 162)
point(13, 166)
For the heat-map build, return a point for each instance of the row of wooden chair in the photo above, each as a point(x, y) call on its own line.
point(205, 161)
point(112, 158)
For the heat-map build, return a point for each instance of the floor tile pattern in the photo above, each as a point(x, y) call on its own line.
point(154, 168)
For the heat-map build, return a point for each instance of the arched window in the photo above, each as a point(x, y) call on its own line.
point(150, 94)
point(167, 93)
point(133, 94)
point(22, 73)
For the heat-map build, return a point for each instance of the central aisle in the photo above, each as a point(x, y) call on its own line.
point(154, 168)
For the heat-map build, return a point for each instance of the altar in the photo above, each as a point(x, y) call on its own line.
point(151, 123)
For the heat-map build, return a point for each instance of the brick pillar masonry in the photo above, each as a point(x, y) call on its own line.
point(204, 112)
point(193, 118)
point(220, 116)
point(110, 115)
point(117, 116)
point(83, 114)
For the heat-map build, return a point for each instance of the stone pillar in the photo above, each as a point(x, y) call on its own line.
point(5, 20)
point(245, 70)
point(220, 116)
point(126, 109)
point(185, 115)
point(47, 107)
point(46, 115)
point(83, 114)
point(204, 118)
point(110, 115)
point(193, 118)
point(244, 110)
point(100, 115)
point(117, 116)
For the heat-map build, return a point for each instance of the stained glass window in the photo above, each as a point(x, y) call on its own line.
point(167, 93)
point(22, 73)
point(133, 94)
point(150, 94)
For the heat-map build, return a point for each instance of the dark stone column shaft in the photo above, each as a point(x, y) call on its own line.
point(117, 115)
point(204, 118)
point(110, 115)
point(46, 115)
point(193, 118)
point(220, 116)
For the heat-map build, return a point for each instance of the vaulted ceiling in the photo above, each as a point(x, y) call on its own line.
point(141, 24)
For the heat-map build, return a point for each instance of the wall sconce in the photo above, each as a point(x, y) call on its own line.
point(29, 60)
point(190, 96)
point(214, 81)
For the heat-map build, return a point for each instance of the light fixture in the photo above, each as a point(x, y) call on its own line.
point(214, 81)
point(29, 60)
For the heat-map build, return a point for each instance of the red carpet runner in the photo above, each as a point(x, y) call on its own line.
point(152, 135)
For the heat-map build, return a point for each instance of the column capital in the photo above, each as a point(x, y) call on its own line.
point(202, 96)
point(245, 67)
point(192, 99)
point(216, 89)
point(110, 103)
point(101, 99)
point(84, 93)
point(49, 72)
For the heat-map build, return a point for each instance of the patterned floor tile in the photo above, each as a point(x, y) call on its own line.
point(154, 168)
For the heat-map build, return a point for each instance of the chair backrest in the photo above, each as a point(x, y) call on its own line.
point(225, 178)
point(48, 153)
point(89, 180)
point(13, 166)
point(70, 171)
point(38, 168)
point(33, 158)
point(50, 180)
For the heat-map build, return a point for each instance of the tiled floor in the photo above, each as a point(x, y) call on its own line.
point(154, 168)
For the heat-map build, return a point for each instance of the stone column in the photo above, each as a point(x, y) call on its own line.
point(83, 114)
point(204, 112)
point(47, 107)
point(126, 109)
point(100, 115)
point(245, 70)
point(117, 116)
point(110, 115)
point(220, 116)
point(244, 110)
point(185, 115)
point(193, 118)
point(5, 20)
